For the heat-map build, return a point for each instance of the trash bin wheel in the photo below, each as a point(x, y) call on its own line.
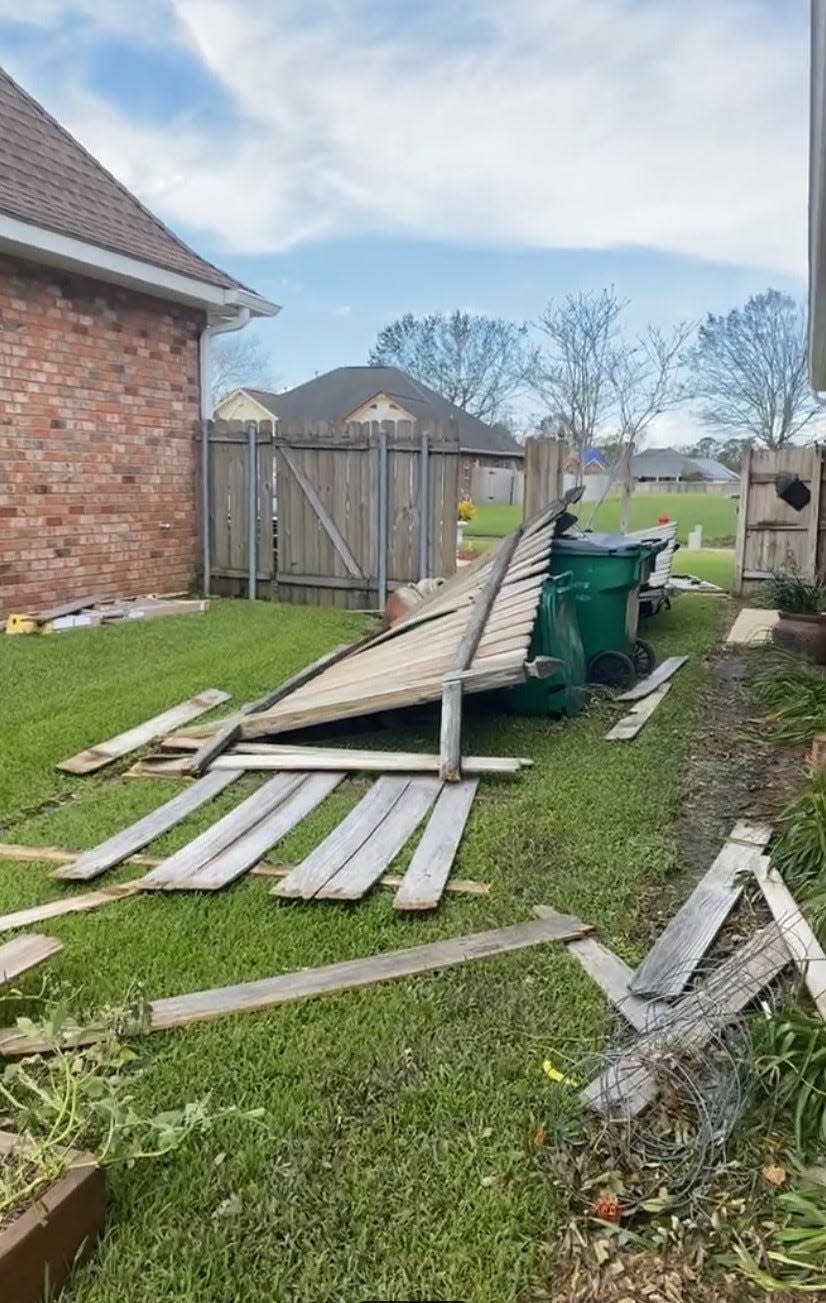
point(644, 658)
point(612, 669)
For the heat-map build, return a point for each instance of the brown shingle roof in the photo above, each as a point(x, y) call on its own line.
point(48, 179)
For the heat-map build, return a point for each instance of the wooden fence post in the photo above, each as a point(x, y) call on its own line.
point(742, 521)
point(544, 468)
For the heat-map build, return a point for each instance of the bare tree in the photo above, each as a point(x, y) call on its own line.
point(478, 363)
point(645, 379)
point(573, 376)
point(237, 361)
point(749, 370)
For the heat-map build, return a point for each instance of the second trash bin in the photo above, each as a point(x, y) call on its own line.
point(555, 633)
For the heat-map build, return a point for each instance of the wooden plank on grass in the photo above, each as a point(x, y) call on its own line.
point(67, 905)
point(679, 949)
point(248, 849)
point(322, 863)
point(629, 726)
point(387, 762)
point(660, 675)
point(802, 944)
point(629, 1084)
point(178, 867)
point(57, 855)
point(429, 869)
point(118, 848)
point(85, 762)
point(389, 881)
point(22, 953)
point(268, 992)
point(366, 866)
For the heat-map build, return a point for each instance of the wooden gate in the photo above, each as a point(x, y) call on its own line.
point(237, 507)
point(363, 507)
point(771, 535)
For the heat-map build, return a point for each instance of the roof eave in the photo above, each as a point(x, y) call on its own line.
point(38, 244)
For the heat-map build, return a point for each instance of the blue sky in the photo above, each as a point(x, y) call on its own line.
point(356, 159)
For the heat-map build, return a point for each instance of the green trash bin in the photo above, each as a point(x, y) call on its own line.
point(555, 633)
point(607, 571)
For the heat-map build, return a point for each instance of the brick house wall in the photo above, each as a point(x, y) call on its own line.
point(99, 402)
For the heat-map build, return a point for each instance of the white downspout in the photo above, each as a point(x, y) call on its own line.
point(217, 326)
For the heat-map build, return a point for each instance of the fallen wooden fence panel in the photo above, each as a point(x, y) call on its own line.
point(267, 993)
point(629, 1084)
point(344, 841)
point(67, 905)
point(242, 854)
point(118, 848)
point(388, 881)
point(629, 726)
point(660, 675)
point(85, 762)
point(366, 866)
point(429, 869)
point(178, 867)
point(803, 945)
point(22, 953)
point(679, 949)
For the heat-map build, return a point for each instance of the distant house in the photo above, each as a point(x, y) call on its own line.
point(105, 322)
point(669, 466)
point(378, 393)
point(594, 462)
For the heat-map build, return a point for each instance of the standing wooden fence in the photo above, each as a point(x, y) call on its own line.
point(363, 507)
point(544, 470)
point(771, 535)
point(237, 506)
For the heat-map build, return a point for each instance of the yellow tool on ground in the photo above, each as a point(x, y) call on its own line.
point(19, 623)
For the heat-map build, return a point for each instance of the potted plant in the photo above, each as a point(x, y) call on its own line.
point(465, 511)
point(68, 1112)
point(800, 604)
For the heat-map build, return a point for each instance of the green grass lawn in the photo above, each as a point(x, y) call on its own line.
point(396, 1158)
point(716, 514)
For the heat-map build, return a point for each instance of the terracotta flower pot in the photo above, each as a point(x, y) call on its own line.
point(42, 1243)
point(804, 634)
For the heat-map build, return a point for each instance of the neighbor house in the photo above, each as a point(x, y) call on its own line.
point(379, 393)
point(105, 322)
point(669, 467)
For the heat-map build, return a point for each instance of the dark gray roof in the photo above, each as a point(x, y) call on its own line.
point(334, 395)
point(670, 463)
point(49, 180)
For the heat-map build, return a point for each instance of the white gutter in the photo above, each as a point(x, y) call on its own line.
point(24, 240)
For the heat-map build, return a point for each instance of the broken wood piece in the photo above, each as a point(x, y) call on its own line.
point(67, 905)
point(307, 879)
point(429, 869)
point(247, 850)
point(22, 953)
point(85, 762)
point(119, 847)
point(190, 858)
point(660, 675)
point(681, 946)
point(366, 866)
point(57, 855)
point(629, 1084)
point(817, 758)
point(802, 944)
point(748, 833)
point(388, 881)
point(383, 762)
point(629, 726)
point(267, 993)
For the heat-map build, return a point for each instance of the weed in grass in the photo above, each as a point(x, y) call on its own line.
point(800, 853)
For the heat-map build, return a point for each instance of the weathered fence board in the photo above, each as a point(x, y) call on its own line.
point(771, 535)
point(228, 510)
point(356, 514)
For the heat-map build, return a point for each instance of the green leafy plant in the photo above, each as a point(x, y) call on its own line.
point(787, 591)
point(795, 692)
point(796, 1250)
point(84, 1099)
point(791, 1066)
point(800, 852)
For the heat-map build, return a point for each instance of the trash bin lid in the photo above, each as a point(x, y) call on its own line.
point(600, 543)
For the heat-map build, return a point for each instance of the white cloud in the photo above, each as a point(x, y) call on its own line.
point(538, 123)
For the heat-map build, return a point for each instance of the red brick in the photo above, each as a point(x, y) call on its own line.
point(98, 417)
